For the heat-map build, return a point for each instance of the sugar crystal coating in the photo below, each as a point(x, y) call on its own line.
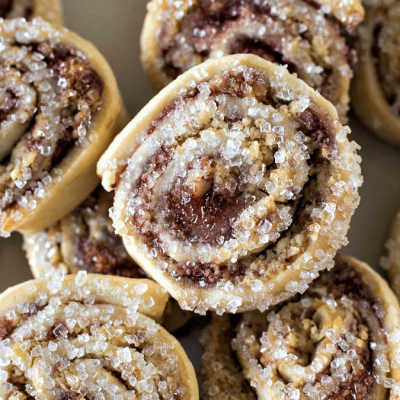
point(87, 336)
point(48, 10)
point(304, 35)
point(82, 241)
point(49, 94)
point(333, 342)
point(232, 186)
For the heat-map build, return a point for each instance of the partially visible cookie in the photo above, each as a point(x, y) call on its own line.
point(376, 88)
point(307, 36)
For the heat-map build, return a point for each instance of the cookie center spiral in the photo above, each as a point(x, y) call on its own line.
point(204, 206)
point(229, 175)
point(49, 95)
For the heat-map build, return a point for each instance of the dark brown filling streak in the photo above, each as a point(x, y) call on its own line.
point(211, 216)
point(9, 105)
point(344, 280)
point(375, 53)
point(225, 12)
point(313, 123)
point(107, 257)
point(67, 64)
point(6, 7)
point(101, 258)
point(7, 326)
point(81, 78)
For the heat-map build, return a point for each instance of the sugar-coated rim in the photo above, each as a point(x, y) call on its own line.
point(79, 177)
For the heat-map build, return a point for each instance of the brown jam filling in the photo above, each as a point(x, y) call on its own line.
point(8, 105)
point(270, 51)
point(5, 7)
point(385, 52)
point(344, 280)
point(213, 17)
point(209, 214)
point(360, 385)
point(62, 394)
point(205, 213)
point(6, 328)
point(101, 258)
point(317, 127)
point(210, 274)
point(105, 255)
point(77, 84)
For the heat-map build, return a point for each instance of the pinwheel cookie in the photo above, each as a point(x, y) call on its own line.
point(338, 340)
point(90, 336)
point(85, 241)
point(234, 186)
point(376, 92)
point(49, 10)
point(60, 109)
point(307, 36)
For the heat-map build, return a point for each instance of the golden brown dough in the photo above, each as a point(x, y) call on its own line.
point(307, 36)
point(85, 240)
point(234, 186)
point(339, 340)
point(60, 109)
point(376, 90)
point(90, 336)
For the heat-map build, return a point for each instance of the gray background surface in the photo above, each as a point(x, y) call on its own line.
point(114, 27)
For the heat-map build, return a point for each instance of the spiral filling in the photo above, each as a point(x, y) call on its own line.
point(295, 33)
point(386, 54)
point(205, 212)
point(49, 94)
point(8, 104)
point(84, 240)
point(68, 344)
point(107, 258)
point(326, 343)
point(232, 181)
point(99, 249)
